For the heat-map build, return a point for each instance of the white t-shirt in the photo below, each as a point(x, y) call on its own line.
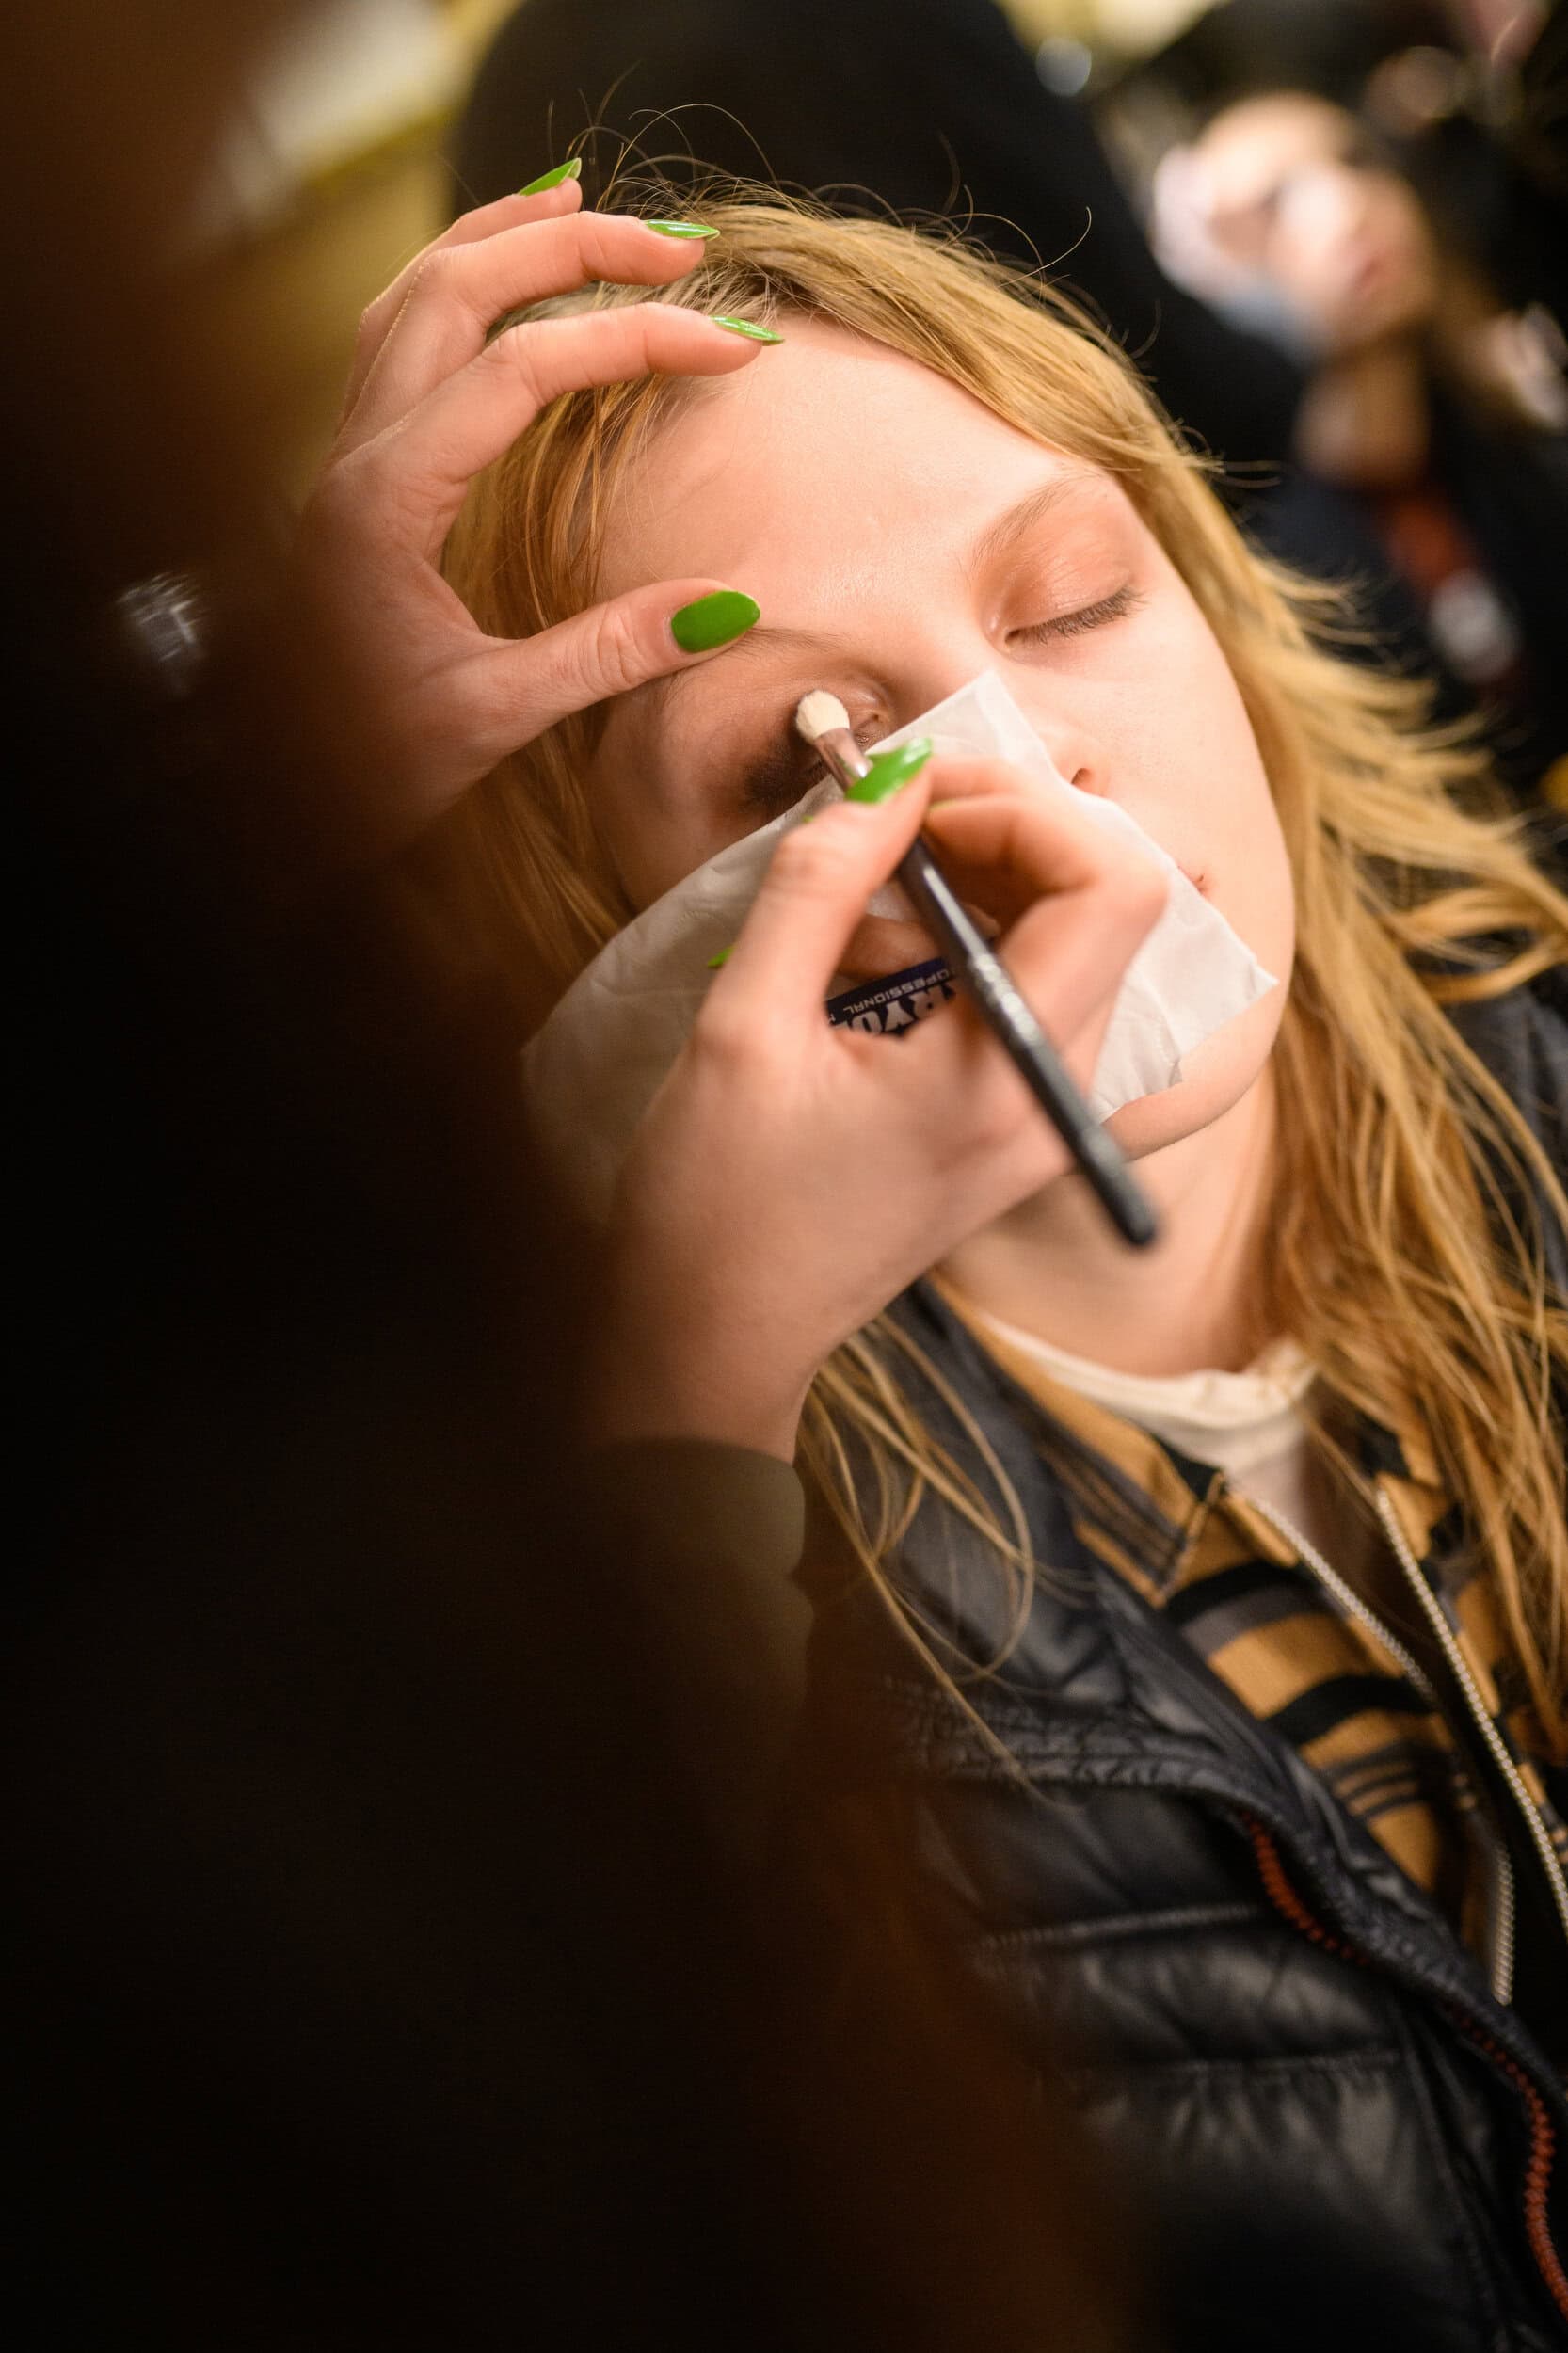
point(1250, 1425)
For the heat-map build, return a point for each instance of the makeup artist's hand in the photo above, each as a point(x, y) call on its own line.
point(429, 404)
point(790, 1178)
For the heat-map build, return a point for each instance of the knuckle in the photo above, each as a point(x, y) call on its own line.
point(515, 354)
point(432, 274)
point(641, 322)
point(594, 238)
point(613, 657)
point(721, 1037)
point(999, 1116)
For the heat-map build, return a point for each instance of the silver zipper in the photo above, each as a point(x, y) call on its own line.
point(1500, 1905)
point(1539, 1837)
point(1345, 1595)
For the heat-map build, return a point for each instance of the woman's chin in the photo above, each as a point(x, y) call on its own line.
point(1215, 1077)
point(1152, 1122)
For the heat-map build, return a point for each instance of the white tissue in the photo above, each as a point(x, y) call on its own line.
point(596, 1064)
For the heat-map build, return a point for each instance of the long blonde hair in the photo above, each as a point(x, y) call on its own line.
point(1404, 1254)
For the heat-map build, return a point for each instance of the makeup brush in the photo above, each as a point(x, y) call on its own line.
point(823, 722)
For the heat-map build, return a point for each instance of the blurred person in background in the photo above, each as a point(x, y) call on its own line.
point(917, 107)
point(377, 1972)
point(1461, 92)
point(1425, 133)
point(1286, 203)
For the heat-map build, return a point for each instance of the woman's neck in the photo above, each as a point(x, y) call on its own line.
point(1191, 1303)
point(1365, 420)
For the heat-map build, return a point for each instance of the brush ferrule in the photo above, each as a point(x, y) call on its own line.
point(841, 757)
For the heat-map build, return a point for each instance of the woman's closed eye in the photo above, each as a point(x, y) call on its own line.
point(1122, 600)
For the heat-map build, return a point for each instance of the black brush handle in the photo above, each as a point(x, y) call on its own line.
point(980, 970)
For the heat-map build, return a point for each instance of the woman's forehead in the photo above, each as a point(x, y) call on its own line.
point(824, 447)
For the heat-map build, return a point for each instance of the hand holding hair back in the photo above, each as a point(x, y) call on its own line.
point(433, 398)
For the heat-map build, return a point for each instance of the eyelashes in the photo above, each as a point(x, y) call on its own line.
point(1124, 599)
point(785, 773)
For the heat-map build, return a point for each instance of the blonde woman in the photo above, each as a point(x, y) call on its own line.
point(1202, 1609)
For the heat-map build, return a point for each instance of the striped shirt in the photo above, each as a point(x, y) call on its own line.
point(1242, 1593)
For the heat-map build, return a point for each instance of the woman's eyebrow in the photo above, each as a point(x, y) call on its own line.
point(764, 639)
point(998, 537)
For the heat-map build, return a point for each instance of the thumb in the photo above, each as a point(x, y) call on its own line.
point(529, 683)
point(814, 894)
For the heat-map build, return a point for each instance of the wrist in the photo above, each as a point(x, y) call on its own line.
point(637, 1394)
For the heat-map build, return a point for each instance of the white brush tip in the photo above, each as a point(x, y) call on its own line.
point(818, 714)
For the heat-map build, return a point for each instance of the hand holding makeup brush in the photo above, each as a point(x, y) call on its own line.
point(980, 973)
point(790, 1178)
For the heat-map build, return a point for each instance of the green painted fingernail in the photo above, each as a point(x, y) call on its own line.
point(723, 957)
point(750, 326)
point(889, 772)
point(681, 228)
point(569, 170)
point(714, 620)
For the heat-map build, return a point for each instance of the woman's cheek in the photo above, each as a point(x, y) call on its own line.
point(1197, 785)
point(652, 832)
point(1184, 760)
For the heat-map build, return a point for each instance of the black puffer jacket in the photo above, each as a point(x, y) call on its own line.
point(1336, 2134)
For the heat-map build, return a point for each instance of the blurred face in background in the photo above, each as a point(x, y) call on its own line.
point(1291, 195)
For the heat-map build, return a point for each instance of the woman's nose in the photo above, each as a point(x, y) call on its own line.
point(1079, 757)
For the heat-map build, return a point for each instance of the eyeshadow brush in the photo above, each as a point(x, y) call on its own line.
point(823, 722)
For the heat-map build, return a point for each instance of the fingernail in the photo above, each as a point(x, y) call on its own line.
point(889, 772)
point(681, 228)
point(750, 326)
point(714, 620)
point(723, 957)
point(572, 170)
